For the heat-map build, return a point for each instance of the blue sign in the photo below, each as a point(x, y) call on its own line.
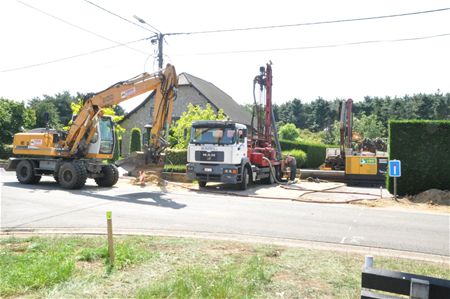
point(395, 168)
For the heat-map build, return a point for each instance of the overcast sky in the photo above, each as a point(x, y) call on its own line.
point(30, 36)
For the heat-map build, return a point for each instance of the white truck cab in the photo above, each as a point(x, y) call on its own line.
point(217, 152)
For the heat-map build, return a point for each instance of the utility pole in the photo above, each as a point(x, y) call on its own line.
point(160, 50)
point(159, 39)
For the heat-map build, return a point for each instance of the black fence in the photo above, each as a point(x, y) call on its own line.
point(416, 286)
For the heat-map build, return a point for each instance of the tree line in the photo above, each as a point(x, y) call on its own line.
point(317, 120)
point(371, 115)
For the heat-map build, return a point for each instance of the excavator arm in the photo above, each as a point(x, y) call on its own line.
point(165, 82)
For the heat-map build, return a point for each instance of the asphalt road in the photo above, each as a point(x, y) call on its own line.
point(46, 206)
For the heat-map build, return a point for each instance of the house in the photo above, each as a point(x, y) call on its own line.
point(192, 90)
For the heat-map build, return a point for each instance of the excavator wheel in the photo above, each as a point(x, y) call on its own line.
point(72, 175)
point(110, 176)
point(25, 173)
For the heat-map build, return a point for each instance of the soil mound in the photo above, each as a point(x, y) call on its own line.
point(432, 196)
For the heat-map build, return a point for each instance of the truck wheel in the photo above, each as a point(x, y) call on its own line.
point(25, 173)
point(245, 179)
point(72, 175)
point(201, 184)
point(110, 176)
point(269, 180)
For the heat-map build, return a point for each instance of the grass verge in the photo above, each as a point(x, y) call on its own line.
point(157, 267)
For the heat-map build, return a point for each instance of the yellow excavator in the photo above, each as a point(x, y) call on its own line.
point(81, 152)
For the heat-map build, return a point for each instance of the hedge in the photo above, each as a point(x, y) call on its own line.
point(175, 168)
point(299, 155)
point(176, 156)
point(135, 141)
point(315, 152)
point(5, 151)
point(423, 148)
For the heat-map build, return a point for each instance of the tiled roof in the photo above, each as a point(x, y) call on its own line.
point(218, 98)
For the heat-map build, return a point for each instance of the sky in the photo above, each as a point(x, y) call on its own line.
point(34, 33)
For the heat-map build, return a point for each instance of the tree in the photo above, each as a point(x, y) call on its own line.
point(62, 105)
point(136, 141)
point(369, 126)
point(43, 107)
point(14, 117)
point(181, 130)
point(289, 132)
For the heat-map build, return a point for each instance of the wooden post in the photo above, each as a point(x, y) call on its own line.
point(110, 237)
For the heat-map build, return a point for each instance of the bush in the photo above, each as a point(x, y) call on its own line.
point(299, 155)
point(5, 151)
point(315, 152)
point(176, 156)
point(135, 142)
point(175, 168)
point(422, 147)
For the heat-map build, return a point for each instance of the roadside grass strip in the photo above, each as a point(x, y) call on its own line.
point(169, 267)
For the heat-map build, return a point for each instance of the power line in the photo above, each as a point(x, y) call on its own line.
point(80, 28)
point(120, 17)
point(70, 57)
point(313, 23)
point(318, 46)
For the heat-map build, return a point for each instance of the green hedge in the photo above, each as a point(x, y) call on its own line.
point(135, 141)
point(315, 152)
point(5, 151)
point(175, 168)
point(423, 149)
point(300, 156)
point(176, 156)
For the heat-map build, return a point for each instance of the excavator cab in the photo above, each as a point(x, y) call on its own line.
point(104, 139)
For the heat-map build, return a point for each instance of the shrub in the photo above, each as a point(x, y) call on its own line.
point(135, 142)
point(299, 155)
point(315, 152)
point(5, 151)
point(422, 147)
point(175, 168)
point(176, 156)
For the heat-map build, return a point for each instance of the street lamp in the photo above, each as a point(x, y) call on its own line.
point(159, 39)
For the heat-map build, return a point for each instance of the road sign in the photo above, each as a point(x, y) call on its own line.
point(395, 168)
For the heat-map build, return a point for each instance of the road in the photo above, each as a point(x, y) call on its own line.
point(46, 206)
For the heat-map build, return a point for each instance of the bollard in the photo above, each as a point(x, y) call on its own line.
point(110, 237)
point(368, 261)
point(381, 192)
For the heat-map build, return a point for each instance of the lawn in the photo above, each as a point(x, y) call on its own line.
point(158, 267)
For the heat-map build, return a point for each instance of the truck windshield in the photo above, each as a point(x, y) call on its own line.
point(213, 135)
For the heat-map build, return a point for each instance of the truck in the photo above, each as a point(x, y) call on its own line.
point(232, 153)
point(84, 151)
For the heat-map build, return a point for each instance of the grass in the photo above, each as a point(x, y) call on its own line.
point(157, 267)
point(227, 280)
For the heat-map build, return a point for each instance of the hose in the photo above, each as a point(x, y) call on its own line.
point(272, 172)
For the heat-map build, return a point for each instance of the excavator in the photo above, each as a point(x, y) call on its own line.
point(83, 151)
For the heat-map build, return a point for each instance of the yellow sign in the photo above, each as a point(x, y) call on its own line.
point(108, 215)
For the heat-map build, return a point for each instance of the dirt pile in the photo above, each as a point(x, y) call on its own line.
point(432, 196)
point(152, 177)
